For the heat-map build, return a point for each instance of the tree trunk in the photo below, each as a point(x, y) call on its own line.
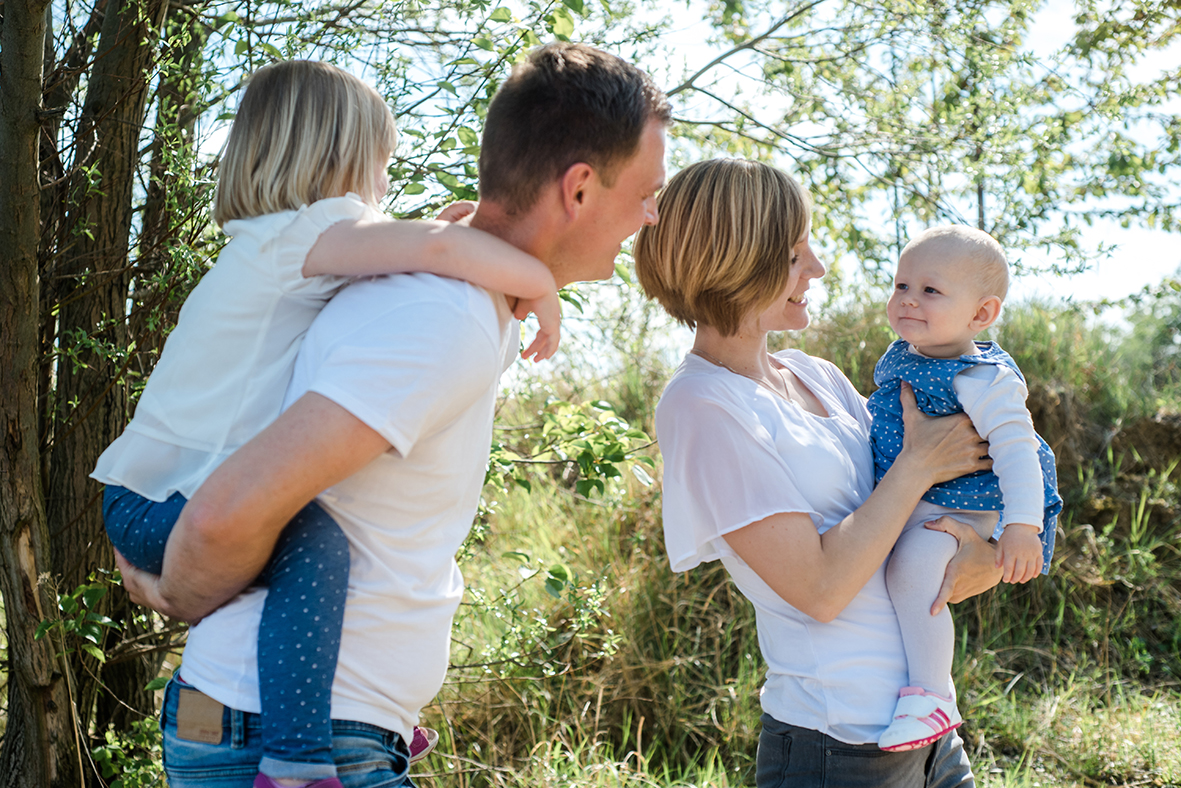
point(168, 202)
point(37, 747)
point(92, 278)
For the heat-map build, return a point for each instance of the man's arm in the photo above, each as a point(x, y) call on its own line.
point(227, 531)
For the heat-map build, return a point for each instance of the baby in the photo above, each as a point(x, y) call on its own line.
point(950, 284)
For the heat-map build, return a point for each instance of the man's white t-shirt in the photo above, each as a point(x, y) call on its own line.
point(417, 358)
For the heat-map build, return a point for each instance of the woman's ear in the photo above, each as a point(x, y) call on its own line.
point(986, 313)
point(574, 184)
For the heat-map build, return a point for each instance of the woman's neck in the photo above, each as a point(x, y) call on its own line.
point(744, 352)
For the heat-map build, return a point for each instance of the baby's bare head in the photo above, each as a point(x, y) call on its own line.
point(976, 252)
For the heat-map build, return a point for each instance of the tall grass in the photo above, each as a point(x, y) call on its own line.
point(580, 659)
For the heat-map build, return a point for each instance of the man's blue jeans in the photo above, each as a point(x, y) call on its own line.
point(794, 757)
point(366, 756)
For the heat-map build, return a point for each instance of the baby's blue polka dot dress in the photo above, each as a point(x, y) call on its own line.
point(931, 379)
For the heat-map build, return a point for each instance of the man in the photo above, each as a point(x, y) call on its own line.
point(390, 415)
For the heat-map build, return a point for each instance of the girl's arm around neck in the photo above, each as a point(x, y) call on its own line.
point(820, 574)
point(370, 248)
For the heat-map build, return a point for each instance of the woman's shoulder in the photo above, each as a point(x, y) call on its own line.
point(801, 363)
point(696, 379)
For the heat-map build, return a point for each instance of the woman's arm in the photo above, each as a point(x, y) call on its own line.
point(369, 248)
point(819, 574)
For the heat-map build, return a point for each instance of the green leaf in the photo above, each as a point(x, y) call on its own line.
point(484, 44)
point(467, 136)
point(42, 628)
point(624, 274)
point(94, 651)
point(575, 6)
point(413, 188)
point(158, 683)
point(447, 86)
point(272, 50)
point(501, 14)
point(93, 594)
point(563, 25)
point(241, 47)
point(642, 475)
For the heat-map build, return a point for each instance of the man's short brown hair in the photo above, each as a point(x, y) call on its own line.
point(565, 104)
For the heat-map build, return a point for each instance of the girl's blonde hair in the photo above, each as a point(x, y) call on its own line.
point(304, 131)
point(723, 246)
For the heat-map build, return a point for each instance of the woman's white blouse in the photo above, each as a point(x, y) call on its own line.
point(225, 367)
point(734, 454)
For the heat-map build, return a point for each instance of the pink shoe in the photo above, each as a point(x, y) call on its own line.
point(920, 718)
point(423, 742)
point(262, 781)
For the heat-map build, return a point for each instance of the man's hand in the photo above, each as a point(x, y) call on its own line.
point(144, 587)
point(971, 571)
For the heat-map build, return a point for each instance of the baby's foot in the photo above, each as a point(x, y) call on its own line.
point(920, 718)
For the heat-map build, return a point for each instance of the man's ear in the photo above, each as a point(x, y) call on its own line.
point(574, 184)
point(986, 313)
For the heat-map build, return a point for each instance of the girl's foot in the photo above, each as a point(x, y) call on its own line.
point(422, 743)
point(920, 718)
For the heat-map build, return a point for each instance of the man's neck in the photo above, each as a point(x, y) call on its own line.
point(526, 231)
point(517, 230)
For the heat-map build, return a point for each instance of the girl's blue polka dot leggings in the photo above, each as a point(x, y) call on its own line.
point(299, 634)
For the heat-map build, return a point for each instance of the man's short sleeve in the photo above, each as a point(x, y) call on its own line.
point(405, 354)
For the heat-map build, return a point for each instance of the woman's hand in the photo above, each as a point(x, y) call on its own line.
point(943, 447)
point(972, 570)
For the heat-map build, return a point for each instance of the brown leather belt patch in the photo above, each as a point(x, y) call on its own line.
point(198, 717)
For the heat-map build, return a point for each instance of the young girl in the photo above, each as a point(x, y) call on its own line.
point(950, 285)
point(303, 171)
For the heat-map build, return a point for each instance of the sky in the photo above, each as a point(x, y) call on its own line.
point(1140, 258)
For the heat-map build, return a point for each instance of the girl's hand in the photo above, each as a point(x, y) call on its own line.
point(461, 209)
point(549, 317)
point(971, 571)
point(1019, 553)
point(944, 447)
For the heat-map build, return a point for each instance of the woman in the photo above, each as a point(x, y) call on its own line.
point(768, 468)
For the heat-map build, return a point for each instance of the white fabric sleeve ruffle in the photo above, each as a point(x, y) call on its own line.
point(720, 474)
point(994, 397)
point(291, 245)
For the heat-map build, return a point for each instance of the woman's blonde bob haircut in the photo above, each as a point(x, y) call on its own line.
point(723, 246)
point(304, 131)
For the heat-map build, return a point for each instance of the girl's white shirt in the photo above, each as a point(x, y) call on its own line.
point(225, 367)
point(734, 454)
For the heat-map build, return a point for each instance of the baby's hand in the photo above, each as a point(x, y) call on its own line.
point(1020, 553)
point(549, 318)
point(460, 209)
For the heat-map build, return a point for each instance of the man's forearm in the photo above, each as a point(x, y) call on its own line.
point(227, 531)
point(205, 566)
